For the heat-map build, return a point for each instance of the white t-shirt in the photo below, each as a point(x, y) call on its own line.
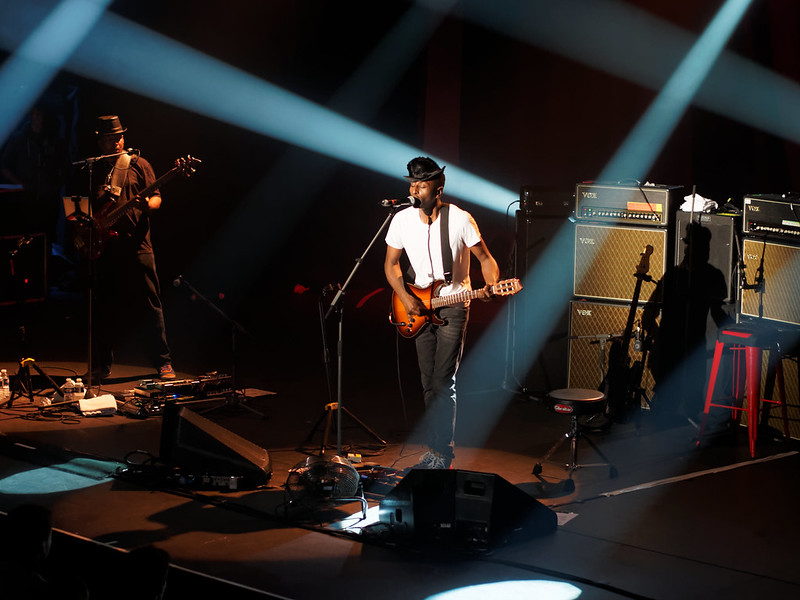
point(423, 246)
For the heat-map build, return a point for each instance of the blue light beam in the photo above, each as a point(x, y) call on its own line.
point(33, 65)
point(644, 143)
point(199, 83)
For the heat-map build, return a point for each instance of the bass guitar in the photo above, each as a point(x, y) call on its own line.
point(92, 233)
point(622, 381)
point(409, 326)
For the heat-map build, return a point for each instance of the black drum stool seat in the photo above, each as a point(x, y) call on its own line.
point(576, 402)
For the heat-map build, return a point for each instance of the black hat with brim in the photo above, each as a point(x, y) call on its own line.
point(422, 168)
point(109, 125)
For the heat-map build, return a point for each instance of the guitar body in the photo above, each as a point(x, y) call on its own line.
point(92, 235)
point(410, 326)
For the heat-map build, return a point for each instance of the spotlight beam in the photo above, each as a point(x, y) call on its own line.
point(202, 84)
point(628, 42)
point(39, 57)
point(645, 142)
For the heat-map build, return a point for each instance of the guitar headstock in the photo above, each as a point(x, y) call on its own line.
point(186, 166)
point(644, 262)
point(507, 287)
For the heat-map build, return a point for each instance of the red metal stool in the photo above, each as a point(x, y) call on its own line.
point(576, 402)
point(750, 339)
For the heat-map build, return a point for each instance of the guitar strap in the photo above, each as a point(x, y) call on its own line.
point(119, 174)
point(447, 251)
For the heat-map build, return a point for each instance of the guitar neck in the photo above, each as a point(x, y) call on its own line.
point(452, 299)
point(121, 208)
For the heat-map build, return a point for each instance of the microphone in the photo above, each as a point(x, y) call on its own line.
point(398, 202)
point(133, 151)
point(177, 281)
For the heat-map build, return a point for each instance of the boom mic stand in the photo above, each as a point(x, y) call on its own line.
point(337, 305)
point(89, 164)
point(22, 385)
point(233, 399)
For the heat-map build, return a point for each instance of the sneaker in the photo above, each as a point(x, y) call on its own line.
point(166, 372)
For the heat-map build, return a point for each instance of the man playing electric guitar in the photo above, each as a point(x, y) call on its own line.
point(127, 286)
point(419, 232)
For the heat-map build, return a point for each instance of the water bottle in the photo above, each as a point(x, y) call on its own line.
point(69, 390)
point(80, 390)
point(5, 388)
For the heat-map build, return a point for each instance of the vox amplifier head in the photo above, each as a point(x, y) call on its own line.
point(632, 205)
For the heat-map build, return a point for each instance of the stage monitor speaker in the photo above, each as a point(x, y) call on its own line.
point(722, 246)
point(200, 447)
point(463, 508)
point(23, 270)
point(606, 259)
point(781, 297)
point(591, 324)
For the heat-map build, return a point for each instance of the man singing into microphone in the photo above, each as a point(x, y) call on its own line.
point(419, 232)
point(127, 290)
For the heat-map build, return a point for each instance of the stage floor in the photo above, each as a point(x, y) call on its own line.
point(675, 521)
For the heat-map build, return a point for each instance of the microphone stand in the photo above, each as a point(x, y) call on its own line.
point(233, 398)
point(337, 305)
point(89, 164)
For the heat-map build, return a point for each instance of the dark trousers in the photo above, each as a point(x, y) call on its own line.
point(127, 296)
point(439, 350)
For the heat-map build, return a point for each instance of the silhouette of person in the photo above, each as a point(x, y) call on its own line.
point(151, 566)
point(689, 298)
point(26, 542)
point(36, 157)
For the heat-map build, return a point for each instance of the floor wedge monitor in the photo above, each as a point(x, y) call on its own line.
point(210, 454)
point(462, 509)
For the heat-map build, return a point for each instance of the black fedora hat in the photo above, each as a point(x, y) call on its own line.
point(422, 168)
point(109, 125)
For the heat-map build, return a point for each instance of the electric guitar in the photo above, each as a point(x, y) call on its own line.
point(409, 326)
point(623, 379)
point(92, 234)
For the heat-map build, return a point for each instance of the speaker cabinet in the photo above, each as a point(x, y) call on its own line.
point(202, 448)
point(23, 270)
point(606, 259)
point(543, 224)
point(591, 324)
point(781, 298)
point(462, 508)
point(722, 252)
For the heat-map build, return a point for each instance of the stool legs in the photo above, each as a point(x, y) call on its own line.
point(751, 369)
point(573, 435)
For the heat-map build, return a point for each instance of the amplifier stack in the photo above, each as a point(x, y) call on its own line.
point(771, 261)
point(615, 226)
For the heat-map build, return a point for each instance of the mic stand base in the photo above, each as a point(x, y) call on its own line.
point(234, 400)
point(327, 416)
